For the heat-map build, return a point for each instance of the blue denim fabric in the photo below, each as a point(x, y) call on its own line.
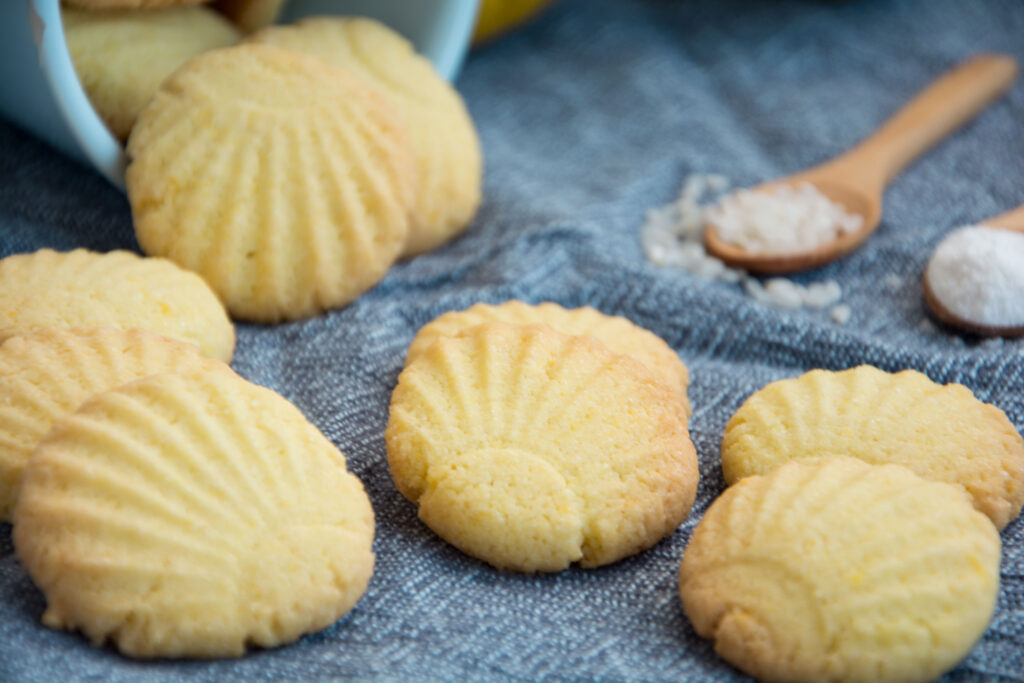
point(587, 118)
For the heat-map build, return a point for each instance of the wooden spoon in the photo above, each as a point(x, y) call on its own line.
point(857, 178)
point(1011, 220)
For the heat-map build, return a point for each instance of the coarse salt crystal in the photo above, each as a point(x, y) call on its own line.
point(777, 292)
point(672, 236)
point(822, 294)
point(783, 293)
point(786, 219)
point(841, 313)
point(977, 274)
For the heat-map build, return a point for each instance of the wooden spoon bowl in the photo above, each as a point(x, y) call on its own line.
point(858, 178)
point(851, 198)
point(1011, 220)
point(947, 317)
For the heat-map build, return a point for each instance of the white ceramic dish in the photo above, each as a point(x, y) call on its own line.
point(40, 92)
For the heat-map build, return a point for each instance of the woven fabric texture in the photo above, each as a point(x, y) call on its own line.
point(588, 117)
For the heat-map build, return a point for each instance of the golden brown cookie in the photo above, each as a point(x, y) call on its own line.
point(444, 141)
point(531, 449)
point(282, 180)
point(841, 571)
point(47, 374)
point(620, 335)
point(192, 515)
point(83, 288)
point(942, 433)
point(122, 57)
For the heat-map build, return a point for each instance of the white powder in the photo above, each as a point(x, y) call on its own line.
point(672, 236)
point(977, 274)
point(783, 220)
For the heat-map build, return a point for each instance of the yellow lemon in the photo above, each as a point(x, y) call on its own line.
point(496, 17)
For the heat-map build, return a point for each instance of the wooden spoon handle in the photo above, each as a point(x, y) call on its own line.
point(1011, 220)
point(937, 111)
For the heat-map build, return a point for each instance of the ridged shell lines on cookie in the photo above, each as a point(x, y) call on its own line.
point(474, 387)
point(83, 288)
point(200, 494)
point(444, 138)
point(620, 335)
point(900, 574)
point(941, 432)
point(441, 131)
point(53, 271)
point(257, 245)
point(314, 206)
point(46, 375)
point(537, 392)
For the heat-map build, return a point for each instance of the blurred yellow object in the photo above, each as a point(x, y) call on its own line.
point(500, 16)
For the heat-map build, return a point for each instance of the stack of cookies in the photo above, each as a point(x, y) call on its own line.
point(529, 440)
point(289, 171)
point(84, 289)
point(160, 501)
point(860, 537)
point(123, 55)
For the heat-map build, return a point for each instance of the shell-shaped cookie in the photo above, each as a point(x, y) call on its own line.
point(250, 15)
point(841, 571)
point(191, 515)
point(942, 433)
point(282, 180)
point(122, 57)
point(531, 449)
point(448, 157)
point(84, 288)
point(619, 334)
point(46, 375)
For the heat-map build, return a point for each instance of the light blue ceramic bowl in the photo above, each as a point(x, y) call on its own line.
point(40, 91)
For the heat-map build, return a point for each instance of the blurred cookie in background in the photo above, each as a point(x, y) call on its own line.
point(122, 57)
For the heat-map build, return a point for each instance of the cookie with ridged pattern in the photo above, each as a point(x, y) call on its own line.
point(532, 450)
point(940, 432)
point(121, 289)
point(47, 374)
point(282, 180)
point(122, 56)
point(839, 570)
point(444, 141)
point(192, 515)
point(619, 334)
